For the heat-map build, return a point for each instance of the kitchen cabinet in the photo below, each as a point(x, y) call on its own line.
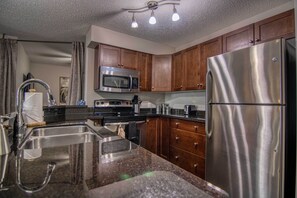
point(278, 26)
point(238, 39)
point(164, 134)
point(145, 68)
point(177, 72)
point(151, 137)
point(161, 73)
point(209, 48)
point(187, 146)
point(106, 55)
point(191, 62)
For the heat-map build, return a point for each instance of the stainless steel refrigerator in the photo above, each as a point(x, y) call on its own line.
point(250, 120)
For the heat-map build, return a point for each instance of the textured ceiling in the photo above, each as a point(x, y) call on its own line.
point(66, 20)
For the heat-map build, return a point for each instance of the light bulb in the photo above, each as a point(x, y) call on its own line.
point(134, 24)
point(175, 16)
point(152, 19)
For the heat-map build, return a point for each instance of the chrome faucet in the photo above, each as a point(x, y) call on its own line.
point(19, 100)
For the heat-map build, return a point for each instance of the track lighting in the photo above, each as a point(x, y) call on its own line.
point(175, 16)
point(134, 23)
point(151, 6)
point(152, 18)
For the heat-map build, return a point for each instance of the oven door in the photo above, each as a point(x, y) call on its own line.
point(114, 79)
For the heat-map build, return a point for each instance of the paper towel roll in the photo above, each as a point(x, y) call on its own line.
point(32, 108)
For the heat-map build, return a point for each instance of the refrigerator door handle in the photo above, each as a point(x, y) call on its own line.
point(208, 106)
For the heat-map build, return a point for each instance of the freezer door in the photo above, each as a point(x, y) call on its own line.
point(244, 151)
point(250, 75)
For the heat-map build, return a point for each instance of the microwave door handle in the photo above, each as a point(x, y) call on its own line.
point(131, 81)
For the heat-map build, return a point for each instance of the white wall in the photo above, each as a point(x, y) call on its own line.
point(23, 64)
point(50, 74)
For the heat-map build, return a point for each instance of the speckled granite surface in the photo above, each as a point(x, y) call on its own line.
point(82, 171)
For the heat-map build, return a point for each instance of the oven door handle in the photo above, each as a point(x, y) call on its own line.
point(131, 82)
point(122, 123)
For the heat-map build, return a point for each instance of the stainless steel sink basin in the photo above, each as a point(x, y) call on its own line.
point(44, 137)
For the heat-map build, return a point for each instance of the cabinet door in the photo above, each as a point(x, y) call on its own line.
point(281, 25)
point(238, 39)
point(177, 72)
point(109, 56)
point(208, 49)
point(164, 134)
point(191, 61)
point(161, 73)
point(129, 59)
point(145, 68)
point(151, 140)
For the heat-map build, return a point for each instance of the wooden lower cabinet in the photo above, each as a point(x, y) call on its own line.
point(164, 134)
point(151, 137)
point(179, 141)
point(188, 161)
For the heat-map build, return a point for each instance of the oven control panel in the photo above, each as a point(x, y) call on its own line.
point(112, 103)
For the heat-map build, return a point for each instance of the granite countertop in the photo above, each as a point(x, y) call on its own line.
point(104, 169)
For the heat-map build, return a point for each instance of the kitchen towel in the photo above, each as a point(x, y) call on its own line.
point(32, 108)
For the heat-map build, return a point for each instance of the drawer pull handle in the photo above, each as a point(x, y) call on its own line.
point(195, 165)
point(176, 138)
point(176, 157)
point(195, 144)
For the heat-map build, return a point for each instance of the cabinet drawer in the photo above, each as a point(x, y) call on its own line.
point(188, 126)
point(188, 161)
point(192, 142)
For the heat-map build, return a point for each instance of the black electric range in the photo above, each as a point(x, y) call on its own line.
point(116, 111)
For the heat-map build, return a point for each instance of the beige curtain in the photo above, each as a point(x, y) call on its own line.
point(8, 61)
point(77, 73)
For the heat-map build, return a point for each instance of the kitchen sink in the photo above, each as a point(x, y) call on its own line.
point(44, 137)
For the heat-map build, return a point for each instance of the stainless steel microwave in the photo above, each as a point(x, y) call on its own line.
point(114, 79)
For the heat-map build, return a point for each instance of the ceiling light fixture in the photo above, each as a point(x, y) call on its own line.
point(175, 16)
point(151, 6)
point(152, 18)
point(134, 23)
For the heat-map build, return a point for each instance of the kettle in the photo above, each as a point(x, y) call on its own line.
point(136, 104)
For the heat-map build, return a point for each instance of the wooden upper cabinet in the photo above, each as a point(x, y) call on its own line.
point(117, 57)
point(281, 25)
point(109, 56)
point(208, 49)
point(145, 68)
point(191, 62)
point(129, 59)
point(238, 39)
point(161, 73)
point(177, 72)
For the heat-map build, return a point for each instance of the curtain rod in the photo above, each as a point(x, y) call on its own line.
point(35, 41)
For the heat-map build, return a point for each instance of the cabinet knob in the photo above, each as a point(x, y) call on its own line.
point(176, 124)
point(198, 85)
point(195, 165)
point(181, 86)
point(176, 138)
point(251, 41)
point(257, 40)
point(195, 144)
point(153, 87)
point(195, 127)
point(176, 157)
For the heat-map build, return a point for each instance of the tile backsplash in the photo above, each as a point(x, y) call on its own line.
point(177, 100)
